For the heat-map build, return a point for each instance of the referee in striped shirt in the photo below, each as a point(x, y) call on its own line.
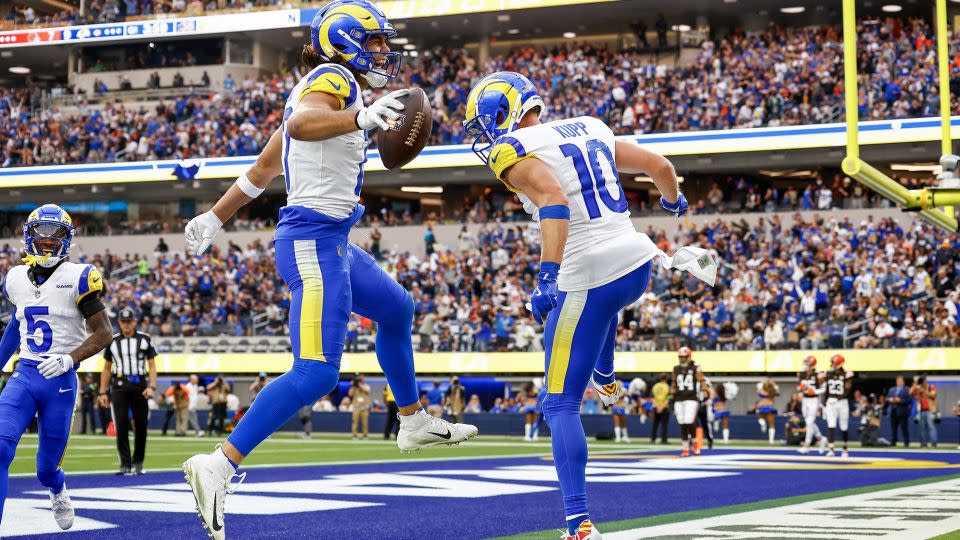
point(131, 373)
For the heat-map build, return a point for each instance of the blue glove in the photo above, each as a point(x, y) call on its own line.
point(544, 297)
point(678, 208)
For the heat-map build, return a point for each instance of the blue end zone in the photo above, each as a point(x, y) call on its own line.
point(462, 498)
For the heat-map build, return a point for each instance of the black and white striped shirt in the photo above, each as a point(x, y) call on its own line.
point(128, 355)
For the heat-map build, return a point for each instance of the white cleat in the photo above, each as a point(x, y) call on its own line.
point(609, 393)
point(831, 453)
point(423, 431)
point(210, 484)
point(586, 532)
point(823, 445)
point(803, 450)
point(845, 454)
point(62, 508)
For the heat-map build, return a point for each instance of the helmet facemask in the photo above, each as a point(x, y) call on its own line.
point(483, 128)
point(48, 242)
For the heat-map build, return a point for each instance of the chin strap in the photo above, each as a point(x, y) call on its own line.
point(33, 260)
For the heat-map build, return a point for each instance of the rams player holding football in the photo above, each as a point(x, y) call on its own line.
point(58, 321)
point(320, 149)
point(593, 261)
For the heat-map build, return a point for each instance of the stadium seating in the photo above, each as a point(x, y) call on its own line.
point(788, 76)
point(814, 283)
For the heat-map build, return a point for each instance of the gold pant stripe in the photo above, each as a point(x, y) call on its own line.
point(563, 340)
point(311, 305)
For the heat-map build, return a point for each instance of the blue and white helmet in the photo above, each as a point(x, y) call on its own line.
point(342, 29)
point(496, 105)
point(47, 236)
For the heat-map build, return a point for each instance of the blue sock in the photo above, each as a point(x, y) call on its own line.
point(395, 353)
point(562, 412)
point(574, 524)
point(305, 383)
point(236, 467)
point(603, 378)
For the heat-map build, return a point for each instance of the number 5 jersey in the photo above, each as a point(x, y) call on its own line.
point(50, 321)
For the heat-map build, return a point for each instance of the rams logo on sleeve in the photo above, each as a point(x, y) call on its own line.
point(334, 80)
point(90, 282)
point(506, 153)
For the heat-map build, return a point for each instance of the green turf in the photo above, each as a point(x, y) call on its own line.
point(955, 535)
point(91, 453)
point(664, 519)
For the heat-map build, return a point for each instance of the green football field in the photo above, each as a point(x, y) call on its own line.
point(97, 453)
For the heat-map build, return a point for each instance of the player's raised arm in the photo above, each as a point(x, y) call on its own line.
point(537, 182)
point(632, 158)
point(202, 229)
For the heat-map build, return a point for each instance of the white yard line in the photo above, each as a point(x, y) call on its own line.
point(915, 512)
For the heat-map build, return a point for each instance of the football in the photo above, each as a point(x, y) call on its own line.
point(410, 132)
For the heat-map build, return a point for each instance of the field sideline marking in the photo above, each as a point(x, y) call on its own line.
point(666, 519)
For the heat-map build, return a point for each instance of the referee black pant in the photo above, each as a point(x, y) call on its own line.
point(704, 423)
point(392, 424)
point(125, 400)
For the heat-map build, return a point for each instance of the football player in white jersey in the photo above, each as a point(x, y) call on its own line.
point(566, 175)
point(58, 321)
point(320, 149)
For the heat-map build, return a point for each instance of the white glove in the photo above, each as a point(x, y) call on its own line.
point(55, 365)
point(382, 110)
point(200, 232)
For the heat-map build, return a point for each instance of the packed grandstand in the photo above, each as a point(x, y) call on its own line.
point(782, 77)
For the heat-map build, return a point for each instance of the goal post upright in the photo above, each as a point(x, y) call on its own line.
point(921, 201)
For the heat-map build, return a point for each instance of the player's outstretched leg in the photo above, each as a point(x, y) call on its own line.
point(317, 276)
point(376, 296)
point(209, 475)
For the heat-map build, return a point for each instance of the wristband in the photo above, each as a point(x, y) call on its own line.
point(103, 393)
point(556, 211)
point(548, 271)
point(247, 187)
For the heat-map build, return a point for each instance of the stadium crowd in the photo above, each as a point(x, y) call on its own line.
point(783, 283)
point(787, 76)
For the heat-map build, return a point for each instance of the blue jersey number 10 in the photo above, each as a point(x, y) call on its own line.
point(593, 176)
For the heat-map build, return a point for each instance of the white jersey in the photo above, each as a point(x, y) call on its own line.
point(50, 321)
point(325, 176)
point(602, 244)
